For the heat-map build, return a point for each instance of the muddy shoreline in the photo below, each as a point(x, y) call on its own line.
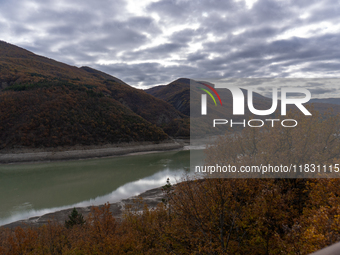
point(74, 153)
point(150, 197)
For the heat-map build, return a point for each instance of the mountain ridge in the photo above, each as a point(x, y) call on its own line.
point(46, 103)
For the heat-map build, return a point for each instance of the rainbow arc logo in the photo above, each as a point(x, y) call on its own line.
point(204, 98)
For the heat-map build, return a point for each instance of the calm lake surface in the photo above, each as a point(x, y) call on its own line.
point(34, 189)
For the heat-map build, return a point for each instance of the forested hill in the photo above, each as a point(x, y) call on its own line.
point(177, 93)
point(45, 103)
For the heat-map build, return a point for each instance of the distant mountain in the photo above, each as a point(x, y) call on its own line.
point(154, 90)
point(326, 101)
point(45, 103)
point(325, 107)
point(177, 93)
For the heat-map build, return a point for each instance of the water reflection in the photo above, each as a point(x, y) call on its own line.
point(25, 210)
point(28, 190)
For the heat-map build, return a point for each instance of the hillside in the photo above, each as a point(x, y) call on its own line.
point(45, 103)
point(21, 67)
point(177, 93)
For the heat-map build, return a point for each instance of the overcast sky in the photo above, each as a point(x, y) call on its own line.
point(147, 42)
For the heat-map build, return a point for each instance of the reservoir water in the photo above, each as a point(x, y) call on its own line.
point(34, 189)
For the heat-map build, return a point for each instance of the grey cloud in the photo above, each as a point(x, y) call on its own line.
point(196, 57)
point(314, 84)
point(323, 67)
point(147, 73)
point(328, 11)
point(294, 51)
point(271, 11)
point(87, 32)
point(144, 24)
point(118, 35)
point(167, 47)
point(261, 88)
point(158, 52)
point(62, 30)
point(185, 36)
point(176, 9)
point(171, 9)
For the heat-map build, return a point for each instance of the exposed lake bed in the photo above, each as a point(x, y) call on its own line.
point(24, 155)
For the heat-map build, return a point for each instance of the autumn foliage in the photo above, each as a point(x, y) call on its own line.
point(216, 215)
point(315, 140)
point(69, 115)
point(55, 107)
point(45, 103)
point(212, 216)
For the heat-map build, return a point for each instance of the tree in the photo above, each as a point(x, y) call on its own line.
point(315, 140)
point(75, 218)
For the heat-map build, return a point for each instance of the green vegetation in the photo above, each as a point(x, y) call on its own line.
point(47, 83)
point(74, 218)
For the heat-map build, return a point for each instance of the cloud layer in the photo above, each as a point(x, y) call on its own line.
point(154, 42)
